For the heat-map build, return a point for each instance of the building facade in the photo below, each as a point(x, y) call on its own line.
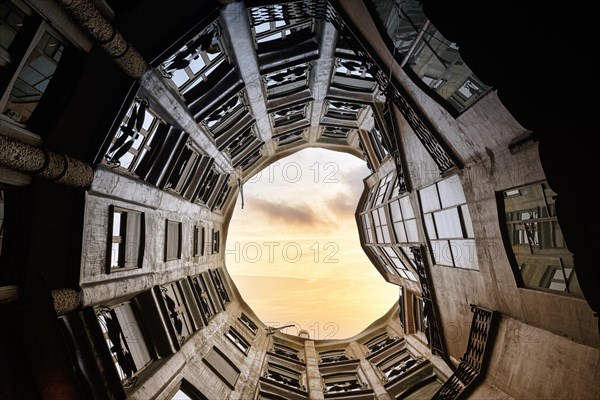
point(127, 132)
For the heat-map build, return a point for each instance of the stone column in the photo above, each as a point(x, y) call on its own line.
point(106, 36)
point(373, 379)
point(47, 164)
point(314, 382)
point(65, 300)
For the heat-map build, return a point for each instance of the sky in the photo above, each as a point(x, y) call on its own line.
point(293, 250)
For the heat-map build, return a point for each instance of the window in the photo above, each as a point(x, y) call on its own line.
point(126, 341)
point(136, 138)
point(532, 231)
point(195, 61)
point(12, 19)
point(397, 365)
point(276, 22)
point(285, 351)
point(332, 356)
point(173, 241)
point(184, 169)
point(395, 255)
point(248, 323)
point(428, 56)
point(186, 391)
point(284, 375)
point(198, 241)
point(29, 58)
point(339, 383)
point(403, 220)
point(203, 298)
point(126, 229)
point(286, 81)
point(177, 310)
point(215, 275)
point(419, 314)
point(379, 342)
point(216, 243)
point(448, 224)
point(222, 366)
point(238, 340)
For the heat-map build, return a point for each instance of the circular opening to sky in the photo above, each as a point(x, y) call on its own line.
point(294, 253)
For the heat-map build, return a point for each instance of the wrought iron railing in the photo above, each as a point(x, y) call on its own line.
point(472, 363)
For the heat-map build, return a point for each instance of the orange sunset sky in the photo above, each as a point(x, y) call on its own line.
point(293, 251)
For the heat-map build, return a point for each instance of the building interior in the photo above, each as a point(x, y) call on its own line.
point(128, 130)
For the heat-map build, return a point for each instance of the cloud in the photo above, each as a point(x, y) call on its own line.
point(299, 214)
point(342, 205)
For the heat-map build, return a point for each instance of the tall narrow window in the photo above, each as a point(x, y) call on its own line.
point(198, 241)
point(126, 341)
point(126, 229)
point(535, 238)
point(248, 323)
point(173, 241)
point(216, 244)
point(238, 340)
point(203, 298)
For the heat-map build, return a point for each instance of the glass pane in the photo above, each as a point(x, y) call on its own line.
point(33, 79)
point(395, 211)
point(442, 253)
point(407, 210)
point(400, 233)
point(466, 216)
point(451, 192)
point(429, 199)
point(411, 231)
point(430, 226)
point(117, 223)
point(464, 253)
point(448, 224)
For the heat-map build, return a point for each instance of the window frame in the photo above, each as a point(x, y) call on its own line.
point(168, 223)
point(238, 340)
point(112, 210)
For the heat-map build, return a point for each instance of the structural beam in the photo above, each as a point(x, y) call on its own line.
point(238, 32)
point(172, 104)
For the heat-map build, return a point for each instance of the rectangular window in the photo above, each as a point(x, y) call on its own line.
point(238, 340)
point(448, 224)
point(379, 342)
point(534, 235)
point(126, 229)
point(184, 169)
point(340, 383)
point(136, 139)
point(30, 52)
point(285, 351)
point(248, 323)
point(173, 241)
point(217, 279)
point(332, 356)
point(397, 365)
point(186, 391)
point(216, 243)
point(198, 241)
point(203, 298)
point(283, 375)
point(178, 310)
point(125, 340)
point(222, 366)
